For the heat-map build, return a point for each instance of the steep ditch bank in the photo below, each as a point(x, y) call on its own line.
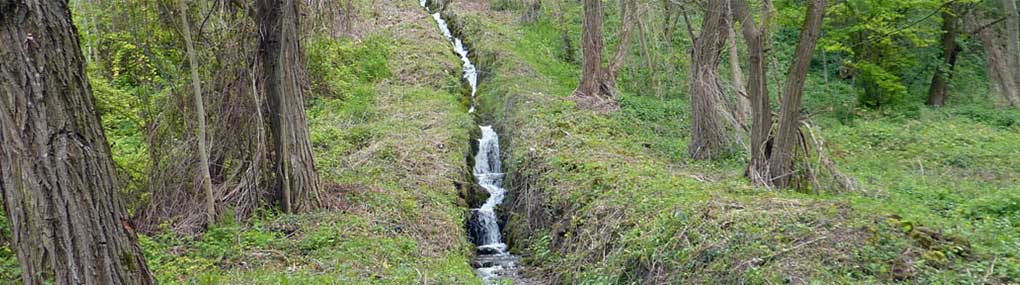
point(493, 263)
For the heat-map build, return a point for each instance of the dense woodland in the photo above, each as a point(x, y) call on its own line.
point(643, 142)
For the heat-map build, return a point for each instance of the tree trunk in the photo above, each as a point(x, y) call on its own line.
point(939, 89)
point(627, 11)
point(706, 130)
point(297, 182)
point(742, 102)
point(757, 89)
point(781, 161)
point(203, 154)
point(1013, 44)
point(592, 74)
point(57, 175)
point(999, 71)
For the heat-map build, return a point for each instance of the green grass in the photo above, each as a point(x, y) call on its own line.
point(611, 198)
point(389, 143)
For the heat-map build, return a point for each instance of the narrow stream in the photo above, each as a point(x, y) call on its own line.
point(492, 262)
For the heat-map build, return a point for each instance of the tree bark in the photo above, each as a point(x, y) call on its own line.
point(742, 101)
point(996, 57)
point(781, 161)
point(592, 73)
point(57, 175)
point(297, 181)
point(1013, 44)
point(706, 129)
point(627, 11)
point(939, 89)
point(757, 89)
point(203, 153)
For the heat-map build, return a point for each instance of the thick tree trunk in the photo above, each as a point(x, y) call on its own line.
point(592, 73)
point(996, 57)
point(56, 172)
point(781, 161)
point(203, 153)
point(706, 130)
point(939, 89)
point(297, 179)
point(757, 89)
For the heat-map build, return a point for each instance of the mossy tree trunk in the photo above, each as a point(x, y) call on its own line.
point(707, 141)
point(297, 181)
point(57, 175)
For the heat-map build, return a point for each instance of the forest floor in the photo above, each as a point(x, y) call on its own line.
point(390, 145)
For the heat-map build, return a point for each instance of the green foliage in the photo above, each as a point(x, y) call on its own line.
point(121, 114)
point(340, 67)
point(883, 44)
point(9, 267)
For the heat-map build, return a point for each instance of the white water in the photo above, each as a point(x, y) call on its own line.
point(493, 262)
point(488, 173)
point(470, 72)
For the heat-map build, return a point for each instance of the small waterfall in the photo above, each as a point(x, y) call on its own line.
point(488, 173)
point(470, 72)
point(492, 262)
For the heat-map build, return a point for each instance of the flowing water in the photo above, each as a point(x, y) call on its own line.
point(470, 72)
point(493, 262)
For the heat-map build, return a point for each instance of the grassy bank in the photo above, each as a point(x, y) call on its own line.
point(610, 198)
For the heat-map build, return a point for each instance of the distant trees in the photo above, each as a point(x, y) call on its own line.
point(57, 176)
point(297, 181)
point(598, 84)
point(593, 77)
point(939, 88)
point(1013, 46)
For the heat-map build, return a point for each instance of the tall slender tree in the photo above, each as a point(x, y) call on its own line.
point(280, 49)
point(57, 175)
point(781, 161)
point(203, 152)
point(755, 37)
point(743, 104)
